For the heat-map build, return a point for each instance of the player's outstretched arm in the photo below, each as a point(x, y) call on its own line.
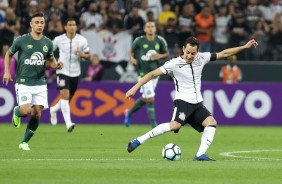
point(231, 51)
point(142, 81)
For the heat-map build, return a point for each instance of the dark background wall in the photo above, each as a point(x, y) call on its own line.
point(252, 72)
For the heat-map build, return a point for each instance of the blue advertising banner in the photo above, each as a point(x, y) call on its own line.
point(104, 103)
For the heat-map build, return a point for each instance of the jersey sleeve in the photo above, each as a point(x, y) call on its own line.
point(85, 47)
point(206, 57)
point(168, 67)
point(50, 50)
point(55, 43)
point(134, 45)
point(163, 45)
point(15, 46)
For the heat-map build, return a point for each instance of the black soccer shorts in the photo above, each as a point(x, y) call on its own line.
point(66, 82)
point(193, 114)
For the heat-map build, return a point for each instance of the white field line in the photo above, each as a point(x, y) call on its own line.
point(74, 159)
point(243, 154)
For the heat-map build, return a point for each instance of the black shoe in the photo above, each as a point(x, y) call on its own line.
point(176, 131)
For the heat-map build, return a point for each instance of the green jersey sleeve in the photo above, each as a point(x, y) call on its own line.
point(163, 45)
point(15, 46)
point(135, 44)
point(50, 50)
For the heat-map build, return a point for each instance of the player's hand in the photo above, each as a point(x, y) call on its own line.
point(79, 53)
point(133, 61)
point(251, 43)
point(155, 56)
point(6, 78)
point(130, 93)
point(60, 65)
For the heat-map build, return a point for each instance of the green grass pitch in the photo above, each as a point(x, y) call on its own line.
point(97, 154)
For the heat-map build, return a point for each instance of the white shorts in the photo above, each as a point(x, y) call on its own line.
point(148, 89)
point(35, 95)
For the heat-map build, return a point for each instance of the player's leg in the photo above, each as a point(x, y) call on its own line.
point(175, 124)
point(150, 107)
point(23, 95)
point(149, 95)
point(129, 112)
point(72, 89)
point(31, 127)
point(158, 130)
point(140, 102)
point(39, 102)
point(61, 84)
point(65, 106)
point(204, 122)
point(207, 136)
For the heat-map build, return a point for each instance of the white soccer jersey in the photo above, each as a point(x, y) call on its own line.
point(187, 77)
point(67, 48)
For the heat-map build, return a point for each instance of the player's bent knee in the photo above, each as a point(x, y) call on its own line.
point(174, 126)
point(25, 111)
point(209, 121)
point(152, 99)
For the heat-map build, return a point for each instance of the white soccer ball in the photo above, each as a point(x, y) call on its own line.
point(171, 151)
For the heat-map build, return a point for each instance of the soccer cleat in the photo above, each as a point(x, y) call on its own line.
point(127, 118)
point(203, 157)
point(176, 131)
point(24, 146)
point(53, 117)
point(132, 145)
point(70, 128)
point(16, 120)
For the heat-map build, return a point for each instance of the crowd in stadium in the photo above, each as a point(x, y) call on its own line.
point(217, 24)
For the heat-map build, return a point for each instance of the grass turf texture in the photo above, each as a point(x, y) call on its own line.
point(97, 154)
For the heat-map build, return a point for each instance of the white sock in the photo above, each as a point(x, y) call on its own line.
point(206, 140)
point(158, 130)
point(56, 107)
point(66, 112)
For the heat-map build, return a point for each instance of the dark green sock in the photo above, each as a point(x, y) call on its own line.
point(30, 129)
point(138, 104)
point(17, 111)
point(150, 106)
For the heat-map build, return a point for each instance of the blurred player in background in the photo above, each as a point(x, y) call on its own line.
point(230, 73)
point(188, 107)
point(31, 88)
point(146, 52)
point(72, 48)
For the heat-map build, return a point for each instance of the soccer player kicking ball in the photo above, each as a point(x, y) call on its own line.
point(31, 88)
point(186, 71)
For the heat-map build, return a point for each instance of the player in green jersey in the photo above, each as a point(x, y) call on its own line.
point(145, 53)
point(34, 49)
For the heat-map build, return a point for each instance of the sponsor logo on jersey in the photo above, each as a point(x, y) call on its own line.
point(182, 116)
point(23, 98)
point(36, 58)
point(157, 46)
point(145, 46)
point(148, 55)
point(45, 48)
point(29, 46)
point(197, 60)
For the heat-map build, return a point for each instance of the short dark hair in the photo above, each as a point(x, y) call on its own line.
point(69, 19)
point(192, 41)
point(37, 14)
